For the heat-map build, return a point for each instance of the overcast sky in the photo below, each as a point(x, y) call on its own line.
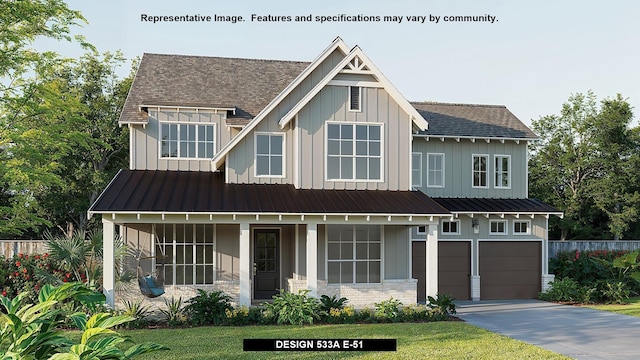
point(531, 59)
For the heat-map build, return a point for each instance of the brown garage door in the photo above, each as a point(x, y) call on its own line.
point(454, 269)
point(510, 269)
point(419, 268)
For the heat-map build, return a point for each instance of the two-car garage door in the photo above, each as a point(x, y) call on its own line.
point(508, 269)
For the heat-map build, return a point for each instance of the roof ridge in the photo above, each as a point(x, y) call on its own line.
point(227, 58)
point(456, 104)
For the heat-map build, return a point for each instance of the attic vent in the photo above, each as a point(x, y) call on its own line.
point(354, 98)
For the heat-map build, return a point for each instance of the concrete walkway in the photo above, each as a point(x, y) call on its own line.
point(577, 332)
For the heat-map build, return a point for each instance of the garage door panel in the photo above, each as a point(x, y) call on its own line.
point(454, 269)
point(510, 269)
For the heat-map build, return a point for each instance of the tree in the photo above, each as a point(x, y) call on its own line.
point(24, 101)
point(583, 165)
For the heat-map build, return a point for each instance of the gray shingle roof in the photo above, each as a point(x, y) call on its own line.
point(201, 81)
point(472, 120)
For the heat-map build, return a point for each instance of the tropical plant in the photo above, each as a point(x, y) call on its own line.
point(208, 308)
point(32, 331)
point(174, 311)
point(562, 290)
point(295, 309)
point(615, 293)
point(327, 303)
point(388, 309)
point(445, 303)
point(135, 309)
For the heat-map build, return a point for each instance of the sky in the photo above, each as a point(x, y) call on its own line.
point(531, 58)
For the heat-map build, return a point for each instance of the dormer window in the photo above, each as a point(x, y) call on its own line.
point(355, 93)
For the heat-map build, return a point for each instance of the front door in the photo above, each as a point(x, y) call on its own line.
point(266, 263)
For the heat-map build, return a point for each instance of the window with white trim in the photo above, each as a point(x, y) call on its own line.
point(435, 170)
point(188, 253)
point(480, 171)
point(180, 140)
point(422, 230)
point(521, 227)
point(354, 254)
point(498, 227)
point(416, 169)
point(269, 154)
point(355, 96)
point(354, 151)
point(451, 227)
point(502, 171)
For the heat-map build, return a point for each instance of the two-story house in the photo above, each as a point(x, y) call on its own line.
point(252, 176)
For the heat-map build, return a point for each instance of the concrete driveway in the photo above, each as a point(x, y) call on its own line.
point(577, 332)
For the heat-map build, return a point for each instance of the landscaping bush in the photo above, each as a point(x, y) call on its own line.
point(28, 273)
point(295, 309)
point(208, 308)
point(173, 312)
point(137, 311)
point(444, 303)
point(562, 290)
point(388, 310)
point(327, 303)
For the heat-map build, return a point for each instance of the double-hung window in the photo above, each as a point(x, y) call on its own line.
point(435, 170)
point(180, 140)
point(480, 171)
point(502, 171)
point(354, 151)
point(354, 254)
point(269, 154)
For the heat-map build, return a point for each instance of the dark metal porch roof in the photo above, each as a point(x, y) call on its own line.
point(484, 205)
point(206, 192)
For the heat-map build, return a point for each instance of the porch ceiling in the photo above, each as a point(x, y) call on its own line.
point(148, 191)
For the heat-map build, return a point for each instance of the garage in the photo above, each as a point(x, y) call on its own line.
point(510, 269)
point(454, 269)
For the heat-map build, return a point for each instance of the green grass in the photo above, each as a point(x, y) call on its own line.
point(439, 340)
point(633, 308)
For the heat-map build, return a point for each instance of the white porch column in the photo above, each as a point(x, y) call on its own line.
point(432, 260)
point(108, 261)
point(546, 277)
point(245, 265)
point(312, 259)
point(475, 270)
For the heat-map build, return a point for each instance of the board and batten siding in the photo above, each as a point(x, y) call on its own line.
point(330, 105)
point(145, 140)
point(458, 167)
point(240, 166)
point(396, 252)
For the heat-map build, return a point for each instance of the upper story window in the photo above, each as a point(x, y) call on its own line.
point(416, 170)
point(502, 171)
point(354, 152)
point(355, 95)
point(521, 227)
point(269, 154)
point(180, 140)
point(498, 227)
point(435, 170)
point(451, 227)
point(480, 171)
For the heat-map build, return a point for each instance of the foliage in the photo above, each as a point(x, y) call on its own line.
point(388, 310)
point(562, 290)
point(31, 331)
point(208, 308)
point(174, 311)
point(327, 303)
point(295, 309)
point(244, 315)
point(419, 313)
point(138, 312)
point(584, 165)
point(343, 315)
point(615, 293)
point(25, 274)
point(444, 303)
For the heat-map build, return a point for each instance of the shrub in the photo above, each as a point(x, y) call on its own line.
point(173, 312)
point(247, 316)
point(137, 311)
point(208, 308)
point(563, 290)
point(344, 315)
point(388, 309)
point(295, 309)
point(327, 303)
point(615, 293)
point(444, 303)
point(28, 273)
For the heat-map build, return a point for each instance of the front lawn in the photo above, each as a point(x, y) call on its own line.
point(438, 340)
point(633, 308)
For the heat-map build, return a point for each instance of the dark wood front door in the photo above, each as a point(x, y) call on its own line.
point(266, 263)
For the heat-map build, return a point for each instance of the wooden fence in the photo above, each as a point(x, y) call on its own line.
point(9, 248)
point(556, 246)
